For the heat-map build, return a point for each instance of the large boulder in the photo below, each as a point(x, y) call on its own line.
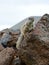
point(6, 56)
point(34, 48)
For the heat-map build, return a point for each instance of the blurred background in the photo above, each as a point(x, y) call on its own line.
point(13, 11)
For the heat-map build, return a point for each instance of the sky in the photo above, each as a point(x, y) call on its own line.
point(13, 11)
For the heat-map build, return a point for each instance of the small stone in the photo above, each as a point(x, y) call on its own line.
point(16, 61)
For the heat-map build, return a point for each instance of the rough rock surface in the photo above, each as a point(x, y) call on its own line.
point(14, 38)
point(1, 47)
point(5, 38)
point(16, 61)
point(6, 56)
point(8, 37)
point(34, 48)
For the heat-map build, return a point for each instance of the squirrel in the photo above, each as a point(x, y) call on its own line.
point(24, 29)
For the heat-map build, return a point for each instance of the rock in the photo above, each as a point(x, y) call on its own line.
point(1, 33)
point(1, 47)
point(10, 30)
point(6, 56)
point(13, 40)
point(42, 30)
point(5, 38)
point(9, 38)
point(16, 61)
point(34, 48)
